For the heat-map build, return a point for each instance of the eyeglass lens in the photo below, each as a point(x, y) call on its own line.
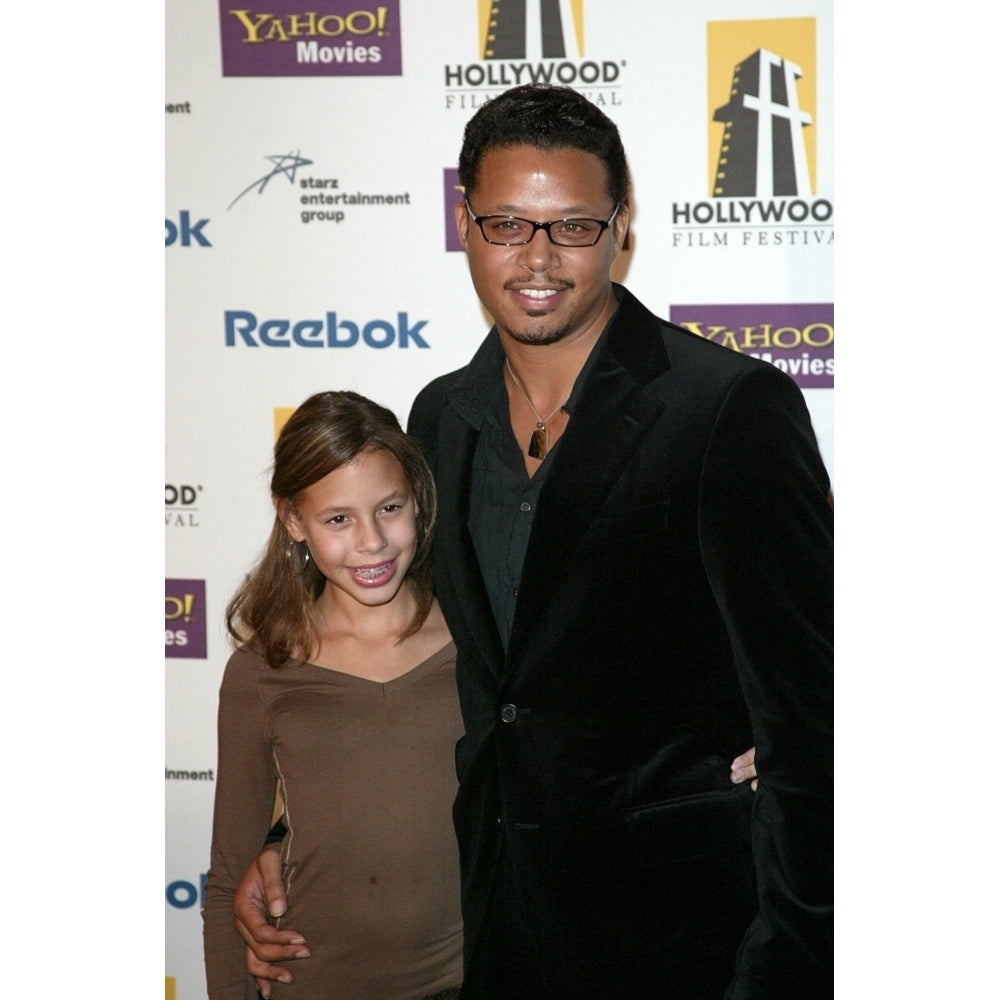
point(507, 230)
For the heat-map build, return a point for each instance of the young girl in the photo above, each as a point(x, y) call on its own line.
point(342, 694)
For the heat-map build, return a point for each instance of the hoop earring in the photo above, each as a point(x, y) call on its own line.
point(292, 557)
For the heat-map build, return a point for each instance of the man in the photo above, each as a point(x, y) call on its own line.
point(634, 555)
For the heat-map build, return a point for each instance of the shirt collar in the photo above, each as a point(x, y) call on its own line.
point(475, 393)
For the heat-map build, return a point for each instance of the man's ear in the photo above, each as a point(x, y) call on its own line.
point(289, 517)
point(621, 224)
point(462, 223)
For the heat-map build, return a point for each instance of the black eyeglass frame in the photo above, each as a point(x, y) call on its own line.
point(546, 226)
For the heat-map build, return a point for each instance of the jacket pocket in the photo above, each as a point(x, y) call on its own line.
point(696, 844)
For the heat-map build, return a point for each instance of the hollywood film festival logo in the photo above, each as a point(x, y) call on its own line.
point(762, 78)
point(531, 41)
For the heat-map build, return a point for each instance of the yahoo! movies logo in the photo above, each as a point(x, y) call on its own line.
point(335, 38)
point(530, 41)
point(797, 338)
point(184, 611)
point(762, 136)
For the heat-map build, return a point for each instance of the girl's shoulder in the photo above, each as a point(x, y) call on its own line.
point(245, 663)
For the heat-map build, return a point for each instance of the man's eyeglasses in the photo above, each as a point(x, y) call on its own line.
point(510, 231)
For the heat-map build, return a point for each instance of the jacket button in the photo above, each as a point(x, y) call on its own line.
point(508, 713)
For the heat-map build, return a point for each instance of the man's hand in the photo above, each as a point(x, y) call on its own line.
point(260, 893)
point(743, 768)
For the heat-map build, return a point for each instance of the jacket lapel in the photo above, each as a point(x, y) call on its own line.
point(455, 559)
point(611, 419)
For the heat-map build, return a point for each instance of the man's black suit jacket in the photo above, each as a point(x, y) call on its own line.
point(675, 607)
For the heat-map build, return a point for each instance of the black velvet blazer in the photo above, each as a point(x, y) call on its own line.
point(675, 607)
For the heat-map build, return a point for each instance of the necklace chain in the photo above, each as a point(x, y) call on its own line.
point(539, 444)
point(541, 422)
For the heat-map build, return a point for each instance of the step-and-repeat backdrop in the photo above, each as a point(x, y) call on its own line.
point(311, 153)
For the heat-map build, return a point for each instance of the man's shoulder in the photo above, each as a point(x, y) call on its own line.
point(431, 398)
point(427, 407)
point(684, 348)
point(434, 392)
point(637, 317)
point(684, 343)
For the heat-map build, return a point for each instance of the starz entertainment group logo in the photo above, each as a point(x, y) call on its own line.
point(530, 41)
point(762, 137)
point(317, 199)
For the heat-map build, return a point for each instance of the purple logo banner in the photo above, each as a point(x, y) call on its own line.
point(285, 38)
point(453, 193)
point(795, 337)
point(184, 611)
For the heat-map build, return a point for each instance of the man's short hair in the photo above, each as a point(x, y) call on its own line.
point(545, 117)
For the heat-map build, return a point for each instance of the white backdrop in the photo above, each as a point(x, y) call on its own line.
point(363, 105)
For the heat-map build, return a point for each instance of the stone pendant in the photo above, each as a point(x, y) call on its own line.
point(539, 444)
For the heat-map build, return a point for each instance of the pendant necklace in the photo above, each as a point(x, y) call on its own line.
point(538, 446)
